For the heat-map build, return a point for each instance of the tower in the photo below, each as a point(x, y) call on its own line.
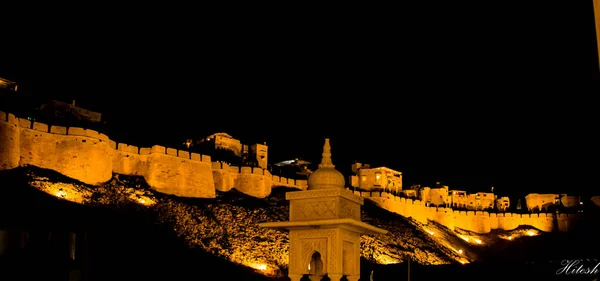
point(324, 226)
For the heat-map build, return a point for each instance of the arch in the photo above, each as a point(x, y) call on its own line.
point(315, 264)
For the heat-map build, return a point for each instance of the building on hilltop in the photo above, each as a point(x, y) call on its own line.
point(481, 201)
point(8, 86)
point(412, 191)
point(549, 202)
point(539, 202)
point(502, 204)
point(224, 147)
point(9, 96)
point(437, 196)
point(70, 115)
point(258, 152)
point(224, 141)
point(570, 201)
point(380, 178)
point(458, 199)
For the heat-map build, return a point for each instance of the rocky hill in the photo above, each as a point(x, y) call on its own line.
point(137, 234)
point(227, 226)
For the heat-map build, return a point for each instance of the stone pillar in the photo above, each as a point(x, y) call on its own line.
point(295, 277)
point(353, 277)
point(335, 276)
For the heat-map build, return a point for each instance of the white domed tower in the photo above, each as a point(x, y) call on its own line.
point(325, 226)
point(326, 176)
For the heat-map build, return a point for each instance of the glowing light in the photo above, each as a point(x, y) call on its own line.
point(385, 259)
point(460, 251)
point(141, 199)
point(531, 233)
point(61, 194)
point(509, 237)
point(259, 266)
point(470, 239)
point(309, 267)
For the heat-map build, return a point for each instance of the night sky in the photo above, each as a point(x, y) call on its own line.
point(471, 96)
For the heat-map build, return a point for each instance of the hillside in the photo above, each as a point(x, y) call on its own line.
point(134, 233)
point(213, 232)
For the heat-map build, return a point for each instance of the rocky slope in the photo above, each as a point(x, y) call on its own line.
point(227, 226)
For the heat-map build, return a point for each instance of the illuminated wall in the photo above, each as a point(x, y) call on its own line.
point(458, 199)
point(480, 201)
point(476, 221)
point(437, 196)
point(92, 158)
point(225, 141)
point(261, 152)
point(502, 204)
point(570, 200)
point(541, 201)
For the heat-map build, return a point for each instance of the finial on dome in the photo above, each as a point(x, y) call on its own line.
point(326, 160)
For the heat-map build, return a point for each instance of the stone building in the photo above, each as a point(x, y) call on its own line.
point(380, 178)
point(245, 155)
point(538, 202)
point(458, 199)
point(502, 204)
point(325, 226)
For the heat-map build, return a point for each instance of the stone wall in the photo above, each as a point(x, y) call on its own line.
point(92, 158)
point(475, 221)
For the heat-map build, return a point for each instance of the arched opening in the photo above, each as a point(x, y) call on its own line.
point(315, 266)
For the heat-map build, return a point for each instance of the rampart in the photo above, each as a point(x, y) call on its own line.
point(92, 158)
point(475, 221)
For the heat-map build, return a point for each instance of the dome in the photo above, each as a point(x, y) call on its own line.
point(326, 176)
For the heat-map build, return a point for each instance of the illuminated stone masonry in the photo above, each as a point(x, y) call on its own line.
point(325, 226)
point(92, 158)
point(475, 221)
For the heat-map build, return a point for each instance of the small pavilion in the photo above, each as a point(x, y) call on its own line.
point(325, 226)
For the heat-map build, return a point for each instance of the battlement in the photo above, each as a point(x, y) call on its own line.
point(476, 221)
point(92, 134)
point(275, 180)
point(92, 157)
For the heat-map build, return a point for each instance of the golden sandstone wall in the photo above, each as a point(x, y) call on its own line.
point(475, 221)
point(92, 158)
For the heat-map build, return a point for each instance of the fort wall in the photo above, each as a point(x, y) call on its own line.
point(92, 158)
point(475, 221)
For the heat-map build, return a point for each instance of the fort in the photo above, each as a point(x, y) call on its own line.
point(93, 158)
point(474, 221)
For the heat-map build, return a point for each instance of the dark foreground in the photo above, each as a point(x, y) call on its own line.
point(480, 272)
point(120, 243)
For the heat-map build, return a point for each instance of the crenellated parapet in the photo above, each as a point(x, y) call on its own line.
point(287, 182)
point(92, 158)
point(254, 181)
point(475, 221)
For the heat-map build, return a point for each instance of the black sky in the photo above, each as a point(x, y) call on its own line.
point(472, 96)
